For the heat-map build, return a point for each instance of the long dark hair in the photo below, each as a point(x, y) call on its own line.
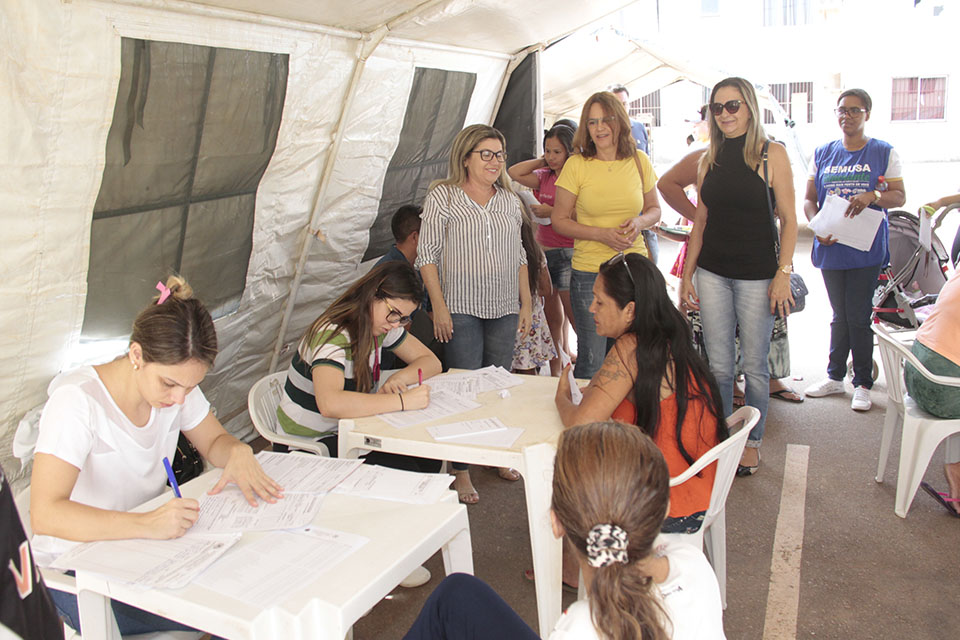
point(663, 338)
point(564, 134)
point(531, 247)
point(351, 312)
point(606, 473)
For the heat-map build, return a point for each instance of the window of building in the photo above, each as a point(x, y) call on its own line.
point(919, 98)
point(795, 98)
point(650, 103)
point(436, 110)
point(786, 13)
point(193, 131)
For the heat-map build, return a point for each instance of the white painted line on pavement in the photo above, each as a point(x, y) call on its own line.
point(783, 597)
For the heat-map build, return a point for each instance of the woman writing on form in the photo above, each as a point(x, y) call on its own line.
point(104, 434)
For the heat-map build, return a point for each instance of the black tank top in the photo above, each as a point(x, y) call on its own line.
point(738, 239)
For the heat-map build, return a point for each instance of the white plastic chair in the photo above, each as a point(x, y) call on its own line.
point(712, 534)
point(68, 584)
point(262, 401)
point(922, 432)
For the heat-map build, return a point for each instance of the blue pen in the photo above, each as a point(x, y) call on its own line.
point(173, 479)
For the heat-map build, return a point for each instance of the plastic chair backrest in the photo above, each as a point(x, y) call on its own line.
point(263, 402)
point(894, 353)
point(727, 456)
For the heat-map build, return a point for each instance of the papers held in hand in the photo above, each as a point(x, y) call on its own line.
point(857, 232)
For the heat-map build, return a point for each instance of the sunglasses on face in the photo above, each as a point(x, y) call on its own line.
point(849, 111)
point(486, 155)
point(732, 106)
point(622, 259)
point(394, 316)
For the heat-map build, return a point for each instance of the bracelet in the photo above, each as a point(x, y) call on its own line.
point(402, 408)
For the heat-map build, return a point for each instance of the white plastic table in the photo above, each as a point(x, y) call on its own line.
point(531, 406)
point(402, 537)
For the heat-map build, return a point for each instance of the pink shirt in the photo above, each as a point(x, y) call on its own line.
point(546, 236)
point(941, 330)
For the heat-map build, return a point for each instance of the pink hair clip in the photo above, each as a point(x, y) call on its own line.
point(164, 292)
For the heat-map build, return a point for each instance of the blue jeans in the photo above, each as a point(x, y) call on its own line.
point(652, 241)
point(724, 303)
point(463, 607)
point(591, 348)
point(558, 264)
point(480, 342)
point(130, 619)
point(851, 296)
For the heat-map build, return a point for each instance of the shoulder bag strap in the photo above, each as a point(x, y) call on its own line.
point(766, 190)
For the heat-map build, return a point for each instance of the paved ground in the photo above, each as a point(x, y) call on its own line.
point(864, 573)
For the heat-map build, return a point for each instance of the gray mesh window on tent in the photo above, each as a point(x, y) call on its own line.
point(517, 117)
point(436, 110)
point(193, 131)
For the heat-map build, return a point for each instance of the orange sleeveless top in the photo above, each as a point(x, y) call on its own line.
point(699, 433)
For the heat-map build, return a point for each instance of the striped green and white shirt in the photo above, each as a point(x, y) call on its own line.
point(298, 413)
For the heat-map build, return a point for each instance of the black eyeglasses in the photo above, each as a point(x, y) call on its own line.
point(622, 258)
point(732, 106)
point(486, 155)
point(849, 111)
point(395, 316)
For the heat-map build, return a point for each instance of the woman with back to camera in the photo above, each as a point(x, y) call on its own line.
point(610, 494)
point(741, 279)
point(540, 174)
point(606, 195)
point(473, 264)
point(335, 372)
point(851, 168)
point(106, 429)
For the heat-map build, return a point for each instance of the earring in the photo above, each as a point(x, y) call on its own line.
point(136, 367)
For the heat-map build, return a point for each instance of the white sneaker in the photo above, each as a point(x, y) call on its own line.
point(419, 577)
point(861, 399)
point(826, 387)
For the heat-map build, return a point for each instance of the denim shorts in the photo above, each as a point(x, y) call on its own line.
point(558, 264)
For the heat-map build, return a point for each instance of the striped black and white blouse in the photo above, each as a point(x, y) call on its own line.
point(477, 250)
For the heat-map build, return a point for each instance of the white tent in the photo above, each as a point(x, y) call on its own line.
point(82, 86)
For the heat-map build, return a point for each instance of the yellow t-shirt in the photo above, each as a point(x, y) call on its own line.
point(607, 194)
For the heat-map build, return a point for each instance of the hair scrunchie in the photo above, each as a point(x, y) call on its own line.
point(606, 544)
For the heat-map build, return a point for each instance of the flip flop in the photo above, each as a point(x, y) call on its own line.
point(942, 498)
point(783, 394)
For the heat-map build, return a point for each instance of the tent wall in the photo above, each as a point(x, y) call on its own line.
point(58, 85)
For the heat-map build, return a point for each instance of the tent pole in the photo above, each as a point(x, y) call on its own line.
point(368, 44)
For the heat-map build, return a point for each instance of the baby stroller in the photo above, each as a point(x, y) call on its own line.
point(907, 288)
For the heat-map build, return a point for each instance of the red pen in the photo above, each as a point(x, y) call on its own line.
point(419, 377)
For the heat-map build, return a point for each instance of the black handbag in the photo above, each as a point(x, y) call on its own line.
point(798, 288)
point(187, 463)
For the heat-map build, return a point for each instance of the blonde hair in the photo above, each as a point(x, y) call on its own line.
point(611, 105)
point(612, 473)
point(466, 142)
point(752, 147)
point(176, 330)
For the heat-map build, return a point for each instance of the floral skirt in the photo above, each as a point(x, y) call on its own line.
point(535, 348)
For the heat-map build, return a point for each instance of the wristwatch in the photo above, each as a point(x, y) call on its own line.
point(785, 269)
point(876, 195)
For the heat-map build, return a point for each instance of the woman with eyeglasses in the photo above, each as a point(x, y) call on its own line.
point(606, 195)
point(652, 377)
point(335, 372)
point(866, 172)
point(742, 276)
point(473, 264)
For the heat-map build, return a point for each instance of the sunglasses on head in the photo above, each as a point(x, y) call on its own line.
point(732, 106)
point(622, 258)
